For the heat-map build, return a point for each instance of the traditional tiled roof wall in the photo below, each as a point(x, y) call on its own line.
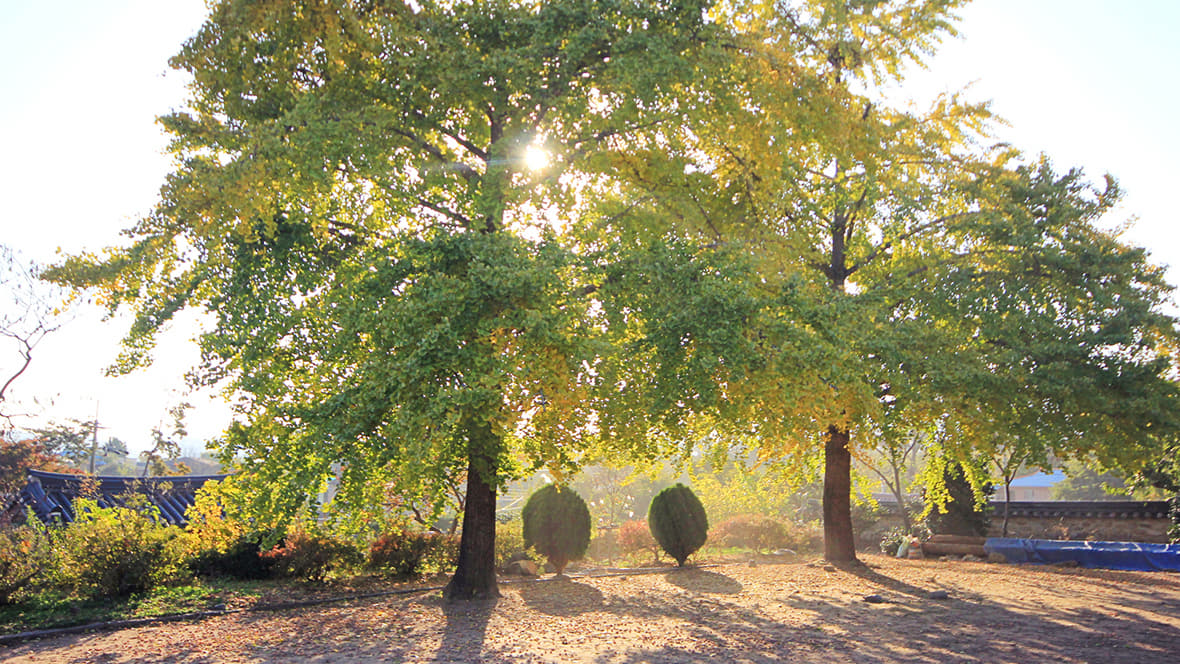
point(52, 495)
point(1120, 509)
point(1101, 521)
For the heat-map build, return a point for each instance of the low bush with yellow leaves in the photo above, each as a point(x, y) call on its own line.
point(118, 551)
point(26, 555)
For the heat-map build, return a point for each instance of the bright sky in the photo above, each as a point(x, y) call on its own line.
point(1089, 82)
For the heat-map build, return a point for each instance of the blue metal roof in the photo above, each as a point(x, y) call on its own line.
point(1039, 479)
point(52, 495)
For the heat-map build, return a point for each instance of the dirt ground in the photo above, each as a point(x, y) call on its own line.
point(742, 612)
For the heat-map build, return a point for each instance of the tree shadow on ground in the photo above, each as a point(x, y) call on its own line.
point(702, 581)
point(874, 577)
point(691, 623)
point(972, 627)
point(561, 596)
point(908, 627)
point(702, 625)
point(317, 634)
point(466, 628)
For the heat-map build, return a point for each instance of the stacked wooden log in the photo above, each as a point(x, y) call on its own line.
point(954, 545)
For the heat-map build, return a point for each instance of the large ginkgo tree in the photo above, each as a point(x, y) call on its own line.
point(372, 203)
point(914, 276)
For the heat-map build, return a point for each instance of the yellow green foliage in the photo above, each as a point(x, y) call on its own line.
point(215, 519)
point(736, 226)
point(26, 554)
point(118, 551)
point(509, 541)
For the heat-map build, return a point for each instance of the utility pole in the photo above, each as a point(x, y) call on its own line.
point(94, 444)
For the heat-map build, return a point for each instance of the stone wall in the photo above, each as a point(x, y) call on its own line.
point(1131, 521)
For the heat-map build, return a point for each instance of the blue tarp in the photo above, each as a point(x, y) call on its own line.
point(1135, 556)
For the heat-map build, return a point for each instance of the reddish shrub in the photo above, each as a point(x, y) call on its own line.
point(635, 536)
point(309, 557)
point(752, 531)
point(409, 553)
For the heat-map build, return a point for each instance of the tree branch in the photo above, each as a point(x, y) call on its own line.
point(450, 214)
point(27, 354)
point(917, 230)
point(474, 149)
point(604, 134)
point(466, 172)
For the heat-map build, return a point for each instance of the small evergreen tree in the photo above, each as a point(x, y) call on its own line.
point(557, 525)
point(964, 514)
point(678, 522)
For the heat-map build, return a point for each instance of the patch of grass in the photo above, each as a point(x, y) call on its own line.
point(51, 609)
point(243, 589)
point(724, 553)
point(170, 601)
point(636, 559)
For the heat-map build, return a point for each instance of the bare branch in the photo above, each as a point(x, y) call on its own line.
point(599, 136)
point(27, 354)
point(878, 473)
point(26, 314)
point(856, 208)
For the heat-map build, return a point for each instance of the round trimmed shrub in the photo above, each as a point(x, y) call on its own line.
point(557, 525)
point(678, 522)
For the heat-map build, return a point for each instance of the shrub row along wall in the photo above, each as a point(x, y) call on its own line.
point(1121, 521)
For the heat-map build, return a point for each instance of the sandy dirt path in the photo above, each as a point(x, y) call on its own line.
point(730, 613)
